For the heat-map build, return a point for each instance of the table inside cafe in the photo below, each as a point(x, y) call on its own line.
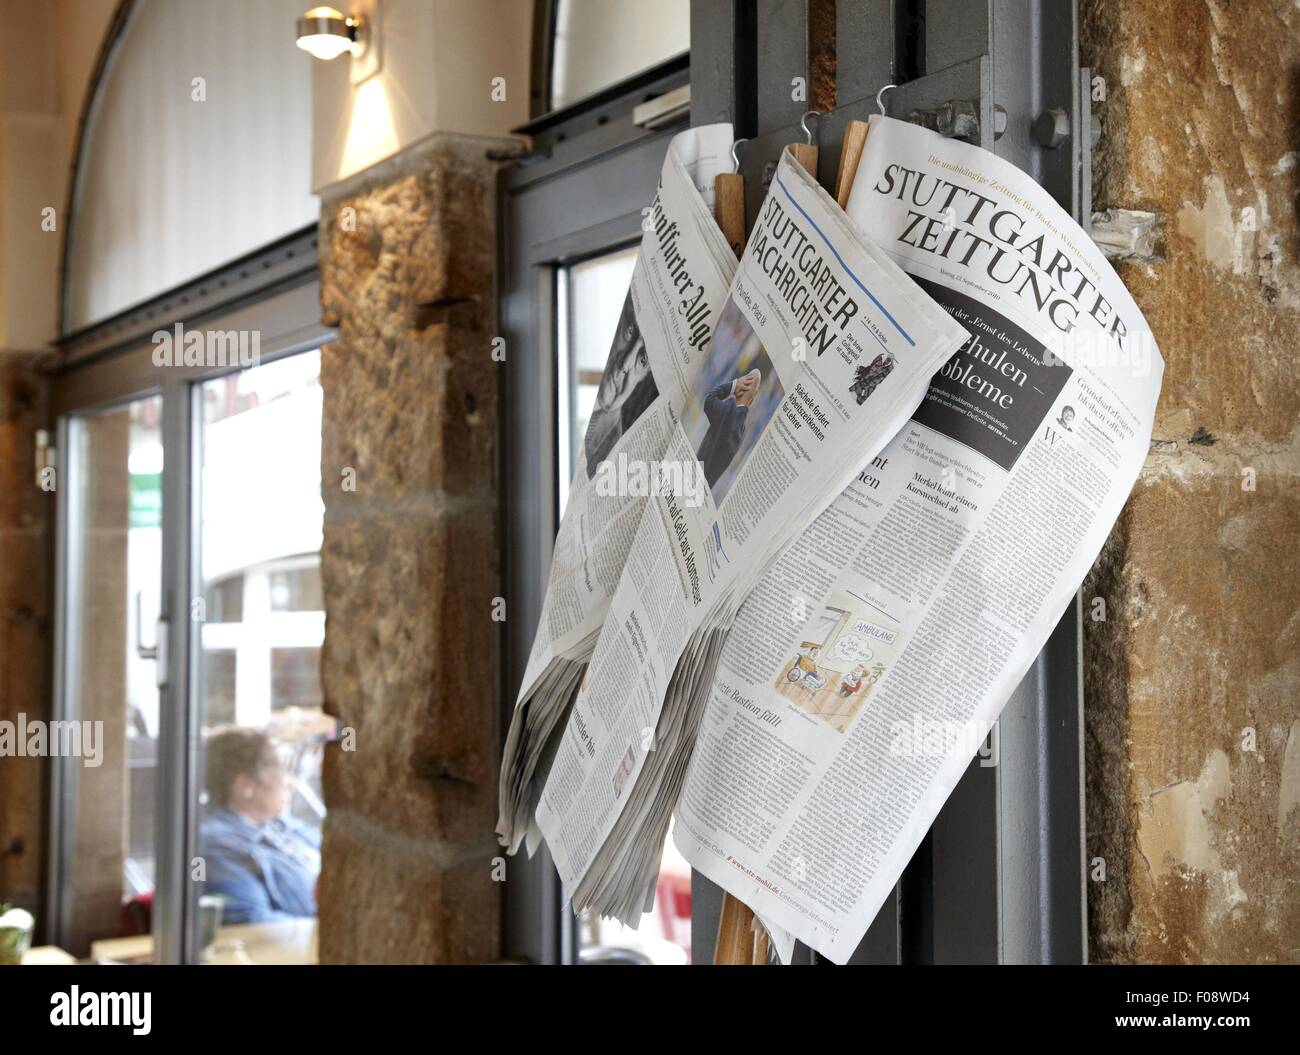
point(282, 942)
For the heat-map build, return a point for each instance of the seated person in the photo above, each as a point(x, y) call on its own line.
point(263, 862)
point(852, 682)
point(806, 664)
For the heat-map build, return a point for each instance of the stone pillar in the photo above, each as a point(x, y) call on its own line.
point(1192, 677)
point(25, 628)
point(409, 564)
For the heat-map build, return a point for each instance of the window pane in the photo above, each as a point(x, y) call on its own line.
point(602, 42)
point(295, 678)
point(114, 563)
point(593, 294)
point(297, 589)
point(260, 808)
point(225, 600)
point(219, 686)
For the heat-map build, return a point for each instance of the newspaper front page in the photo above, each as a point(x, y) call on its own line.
point(823, 349)
point(866, 668)
point(683, 271)
point(682, 274)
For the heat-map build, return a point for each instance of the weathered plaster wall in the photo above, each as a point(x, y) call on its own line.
point(1193, 679)
point(409, 561)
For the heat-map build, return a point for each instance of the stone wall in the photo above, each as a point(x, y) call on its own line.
point(1193, 677)
point(409, 563)
point(25, 626)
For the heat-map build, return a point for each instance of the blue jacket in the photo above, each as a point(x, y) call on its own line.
point(266, 871)
point(726, 420)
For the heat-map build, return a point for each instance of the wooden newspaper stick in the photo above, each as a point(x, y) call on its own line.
point(741, 940)
point(806, 155)
point(729, 208)
point(855, 138)
point(735, 934)
point(736, 940)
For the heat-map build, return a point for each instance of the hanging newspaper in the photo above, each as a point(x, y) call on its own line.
point(823, 350)
point(682, 273)
point(865, 670)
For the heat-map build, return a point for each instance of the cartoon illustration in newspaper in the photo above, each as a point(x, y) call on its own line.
point(844, 650)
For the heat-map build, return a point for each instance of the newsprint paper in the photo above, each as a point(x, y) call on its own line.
point(683, 270)
point(823, 350)
point(866, 668)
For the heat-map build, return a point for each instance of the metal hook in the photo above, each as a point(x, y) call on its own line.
point(803, 123)
point(880, 99)
point(735, 158)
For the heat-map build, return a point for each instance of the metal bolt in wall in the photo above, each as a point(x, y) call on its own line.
point(1052, 128)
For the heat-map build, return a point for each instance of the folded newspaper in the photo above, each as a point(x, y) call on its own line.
point(822, 352)
point(865, 669)
point(683, 270)
point(821, 594)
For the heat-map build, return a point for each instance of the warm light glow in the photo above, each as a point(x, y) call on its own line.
point(324, 33)
point(371, 135)
point(324, 45)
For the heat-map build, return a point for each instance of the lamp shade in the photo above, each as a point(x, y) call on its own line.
point(324, 33)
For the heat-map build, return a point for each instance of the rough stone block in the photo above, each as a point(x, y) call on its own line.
point(394, 899)
point(409, 562)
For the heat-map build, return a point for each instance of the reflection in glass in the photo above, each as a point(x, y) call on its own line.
point(114, 577)
point(263, 727)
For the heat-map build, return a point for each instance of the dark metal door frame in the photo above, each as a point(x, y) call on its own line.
point(1000, 877)
point(579, 193)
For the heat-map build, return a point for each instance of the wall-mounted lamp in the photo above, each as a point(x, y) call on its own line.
point(326, 33)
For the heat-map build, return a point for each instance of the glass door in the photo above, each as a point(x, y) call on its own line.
point(112, 649)
point(260, 618)
point(568, 221)
point(189, 629)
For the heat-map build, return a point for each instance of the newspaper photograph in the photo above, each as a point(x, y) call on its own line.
point(865, 670)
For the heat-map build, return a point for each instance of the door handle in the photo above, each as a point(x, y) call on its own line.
point(142, 650)
point(160, 652)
